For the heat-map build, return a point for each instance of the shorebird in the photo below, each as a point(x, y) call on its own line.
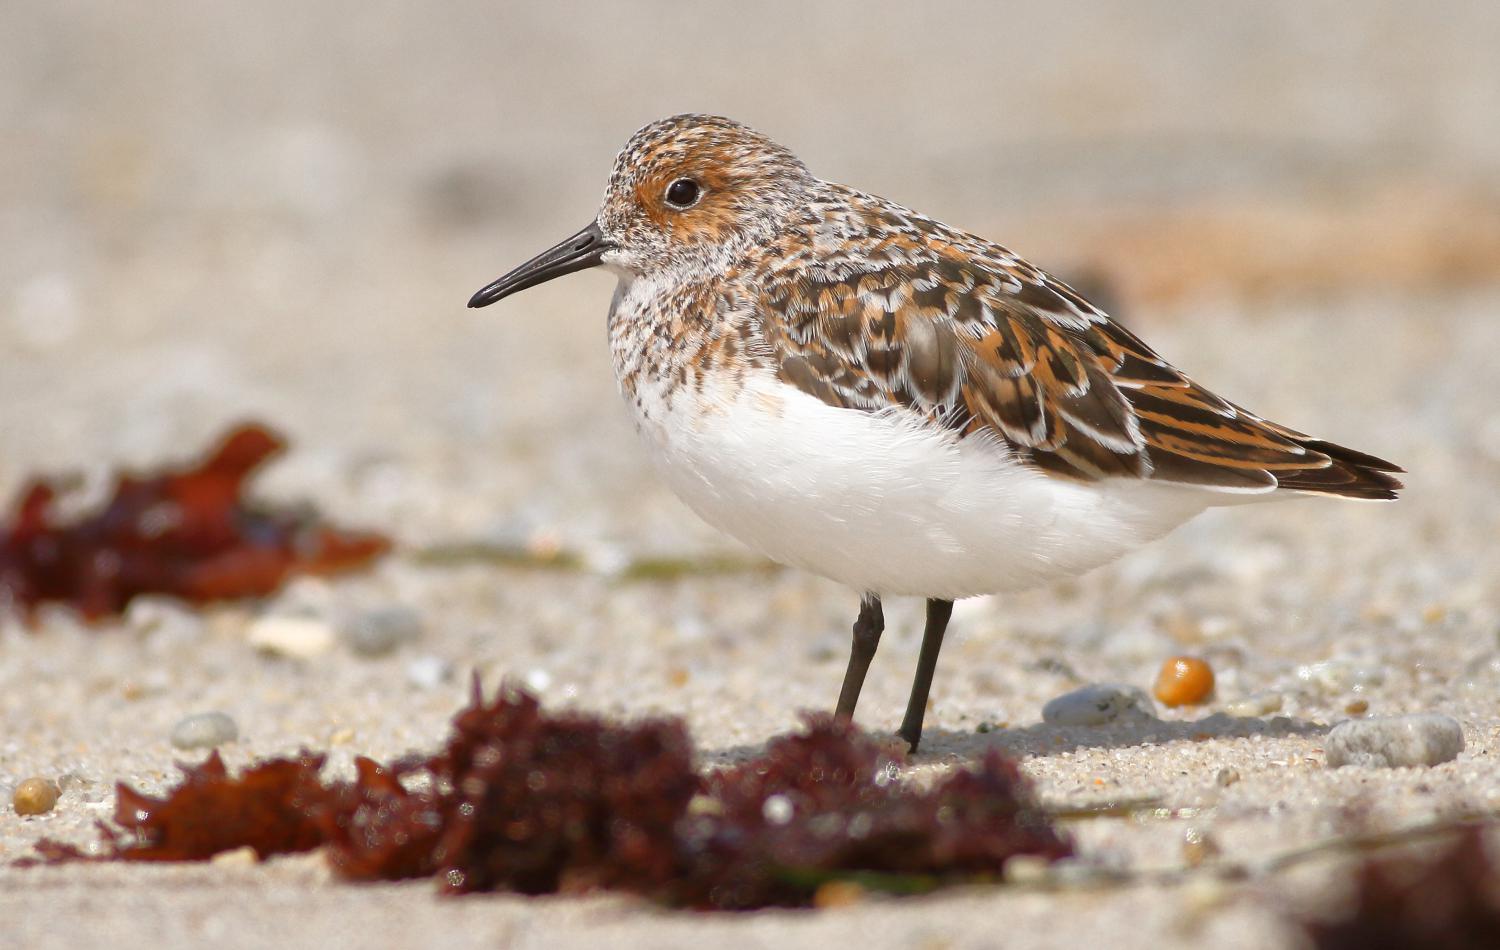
point(853, 388)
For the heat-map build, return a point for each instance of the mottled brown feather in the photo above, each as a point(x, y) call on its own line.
point(914, 314)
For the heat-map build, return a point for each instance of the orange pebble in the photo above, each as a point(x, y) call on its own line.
point(1184, 681)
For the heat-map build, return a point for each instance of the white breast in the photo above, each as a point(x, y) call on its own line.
point(885, 502)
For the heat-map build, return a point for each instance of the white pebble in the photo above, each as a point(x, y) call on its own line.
point(298, 637)
point(85, 789)
point(777, 809)
point(537, 680)
point(204, 731)
point(1339, 675)
point(607, 559)
point(428, 672)
point(378, 632)
point(1098, 704)
point(1027, 869)
point(1261, 704)
point(242, 857)
point(1394, 741)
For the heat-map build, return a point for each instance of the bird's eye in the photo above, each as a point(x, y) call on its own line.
point(683, 193)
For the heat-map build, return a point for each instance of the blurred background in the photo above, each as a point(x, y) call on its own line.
point(278, 210)
point(212, 211)
point(216, 210)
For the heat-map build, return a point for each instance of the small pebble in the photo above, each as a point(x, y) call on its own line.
point(236, 858)
point(1202, 893)
point(1199, 846)
point(1394, 741)
point(1340, 675)
point(604, 558)
point(382, 631)
point(537, 680)
point(1075, 872)
point(777, 809)
point(204, 731)
point(1357, 707)
point(704, 805)
point(1253, 707)
point(428, 671)
point(838, 894)
point(1227, 777)
point(85, 789)
point(1097, 704)
point(35, 796)
point(300, 638)
point(1184, 681)
point(1027, 869)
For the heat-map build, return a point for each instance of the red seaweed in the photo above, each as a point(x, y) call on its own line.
point(524, 801)
point(828, 804)
point(273, 808)
point(1449, 900)
point(187, 533)
point(377, 829)
point(568, 802)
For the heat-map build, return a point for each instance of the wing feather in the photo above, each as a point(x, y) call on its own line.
point(979, 341)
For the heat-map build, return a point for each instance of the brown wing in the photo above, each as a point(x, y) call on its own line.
point(1006, 349)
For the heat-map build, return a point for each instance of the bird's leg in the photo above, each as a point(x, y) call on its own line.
point(867, 630)
point(938, 612)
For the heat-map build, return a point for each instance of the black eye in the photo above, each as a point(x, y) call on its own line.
point(683, 193)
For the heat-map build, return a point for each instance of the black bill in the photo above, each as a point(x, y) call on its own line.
point(581, 251)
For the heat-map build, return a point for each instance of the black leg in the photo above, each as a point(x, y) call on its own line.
point(938, 612)
point(867, 631)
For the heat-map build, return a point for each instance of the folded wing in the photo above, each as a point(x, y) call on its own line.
point(987, 343)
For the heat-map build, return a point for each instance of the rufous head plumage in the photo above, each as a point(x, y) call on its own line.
point(687, 191)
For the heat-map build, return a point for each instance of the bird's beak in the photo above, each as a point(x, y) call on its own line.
point(582, 250)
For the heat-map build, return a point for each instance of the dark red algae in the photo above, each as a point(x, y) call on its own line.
point(183, 532)
point(273, 808)
point(828, 804)
point(520, 800)
point(1450, 900)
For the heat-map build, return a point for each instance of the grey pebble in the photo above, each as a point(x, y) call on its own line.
point(1098, 704)
point(379, 632)
point(204, 731)
point(1394, 741)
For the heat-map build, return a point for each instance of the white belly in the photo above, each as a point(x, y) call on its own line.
point(886, 504)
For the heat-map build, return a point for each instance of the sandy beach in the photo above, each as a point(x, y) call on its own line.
point(214, 216)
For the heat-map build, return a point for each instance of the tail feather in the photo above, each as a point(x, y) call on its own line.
point(1349, 473)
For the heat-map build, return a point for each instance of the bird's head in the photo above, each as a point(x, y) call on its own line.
point(687, 194)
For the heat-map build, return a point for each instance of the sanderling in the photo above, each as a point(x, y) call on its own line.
point(855, 389)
